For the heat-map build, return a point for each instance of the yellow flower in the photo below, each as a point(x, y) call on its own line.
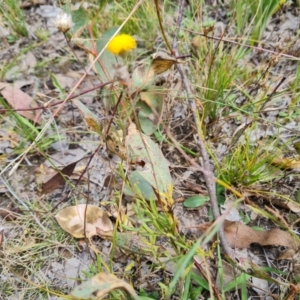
point(121, 43)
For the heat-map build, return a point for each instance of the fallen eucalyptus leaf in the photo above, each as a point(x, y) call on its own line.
point(151, 163)
point(72, 219)
point(102, 283)
point(58, 179)
point(240, 235)
point(150, 109)
point(17, 99)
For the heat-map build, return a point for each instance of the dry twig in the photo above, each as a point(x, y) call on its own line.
point(206, 169)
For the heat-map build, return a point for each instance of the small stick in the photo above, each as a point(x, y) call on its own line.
point(206, 170)
point(46, 105)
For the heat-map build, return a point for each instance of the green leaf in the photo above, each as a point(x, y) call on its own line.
point(297, 147)
point(145, 296)
point(201, 281)
point(141, 185)
point(236, 282)
point(257, 228)
point(57, 85)
point(159, 136)
point(195, 201)
point(152, 165)
point(80, 18)
point(245, 218)
point(107, 61)
point(210, 215)
point(150, 109)
point(182, 265)
point(220, 190)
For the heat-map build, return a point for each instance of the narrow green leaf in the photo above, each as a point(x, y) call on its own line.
point(236, 282)
point(201, 281)
point(220, 194)
point(181, 267)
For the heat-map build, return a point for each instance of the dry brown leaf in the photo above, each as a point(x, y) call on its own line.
point(162, 62)
point(9, 213)
point(280, 202)
point(114, 144)
point(144, 74)
point(102, 283)
point(287, 163)
point(287, 254)
point(115, 283)
point(294, 291)
point(71, 219)
point(58, 179)
point(240, 235)
point(20, 100)
point(194, 187)
point(287, 204)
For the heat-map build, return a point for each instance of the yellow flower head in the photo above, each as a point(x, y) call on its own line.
point(121, 43)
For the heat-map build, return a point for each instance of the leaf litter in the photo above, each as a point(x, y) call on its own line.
point(153, 168)
point(20, 100)
point(83, 220)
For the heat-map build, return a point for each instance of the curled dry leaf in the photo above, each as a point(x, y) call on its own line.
point(287, 254)
point(280, 202)
point(102, 284)
point(240, 235)
point(58, 179)
point(20, 100)
point(287, 204)
point(71, 219)
point(143, 76)
point(162, 61)
point(287, 163)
